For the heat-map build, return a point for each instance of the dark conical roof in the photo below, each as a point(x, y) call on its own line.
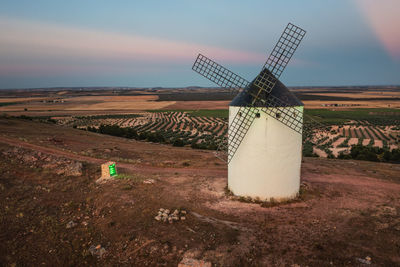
point(280, 91)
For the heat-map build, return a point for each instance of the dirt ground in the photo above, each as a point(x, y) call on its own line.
point(348, 213)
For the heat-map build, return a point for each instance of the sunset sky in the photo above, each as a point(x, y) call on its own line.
point(47, 43)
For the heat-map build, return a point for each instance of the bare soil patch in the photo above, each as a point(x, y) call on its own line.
point(86, 103)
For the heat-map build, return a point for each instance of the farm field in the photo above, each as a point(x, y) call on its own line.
point(200, 129)
point(92, 101)
point(197, 117)
point(206, 128)
point(368, 127)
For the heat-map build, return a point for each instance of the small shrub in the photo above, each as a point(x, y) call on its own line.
point(178, 142)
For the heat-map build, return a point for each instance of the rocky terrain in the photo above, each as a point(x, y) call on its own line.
point(52, 212)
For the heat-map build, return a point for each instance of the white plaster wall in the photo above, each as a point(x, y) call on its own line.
point(268, 161)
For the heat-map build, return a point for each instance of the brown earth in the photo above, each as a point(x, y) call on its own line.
point(317, 104)
point(93, 103)
point(114, 101)
point(367, 94)
point(21, 99)
point(347, 210)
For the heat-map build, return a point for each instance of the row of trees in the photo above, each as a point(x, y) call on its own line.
point(176, 138)
point(369, 153)
point(357, 152)
point(360, 152)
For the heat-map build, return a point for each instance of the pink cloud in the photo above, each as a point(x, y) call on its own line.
point(383, 17)
point(39, 69)
point(38, 41)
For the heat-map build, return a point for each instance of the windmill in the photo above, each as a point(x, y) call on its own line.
point(263, 148)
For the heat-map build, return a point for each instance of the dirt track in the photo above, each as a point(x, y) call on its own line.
point(348, 210)
point(77, 157)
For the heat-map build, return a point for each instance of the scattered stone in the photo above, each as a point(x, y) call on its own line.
point(73, 169)
point(71, 224)
point(385, 211)
point(97, 251)
point(381, 226)
point(367, 260)
point(191, 230)
point(149, 181)
point(189, 262)
point(166, 215)
point(56, 164)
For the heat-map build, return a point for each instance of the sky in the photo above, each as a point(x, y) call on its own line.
point(47, 43)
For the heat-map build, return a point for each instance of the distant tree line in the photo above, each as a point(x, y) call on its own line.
point(156, 137)
point(360, 152)
point(357, 152)
point(370, 153)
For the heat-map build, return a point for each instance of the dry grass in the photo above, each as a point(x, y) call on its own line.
point(97, 103)
point(136, 98)
point(124, 105)
point(89, 103)
point(21, 99)
point(198, 105)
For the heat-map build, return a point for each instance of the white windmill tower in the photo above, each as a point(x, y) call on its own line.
point(263, 149)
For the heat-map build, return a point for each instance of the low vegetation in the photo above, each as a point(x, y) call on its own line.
point(369, 153)
point(374, 130)
point(374, 116)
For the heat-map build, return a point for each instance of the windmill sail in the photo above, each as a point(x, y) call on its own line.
point(282, 52)
point(290, 116)
point(259, 90)
point(265, 82)
point(218, 74)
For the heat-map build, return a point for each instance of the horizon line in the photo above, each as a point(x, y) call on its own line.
point(189, 86)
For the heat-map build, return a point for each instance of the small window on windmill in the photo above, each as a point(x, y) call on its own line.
point(257, 115)
point(278, 115)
